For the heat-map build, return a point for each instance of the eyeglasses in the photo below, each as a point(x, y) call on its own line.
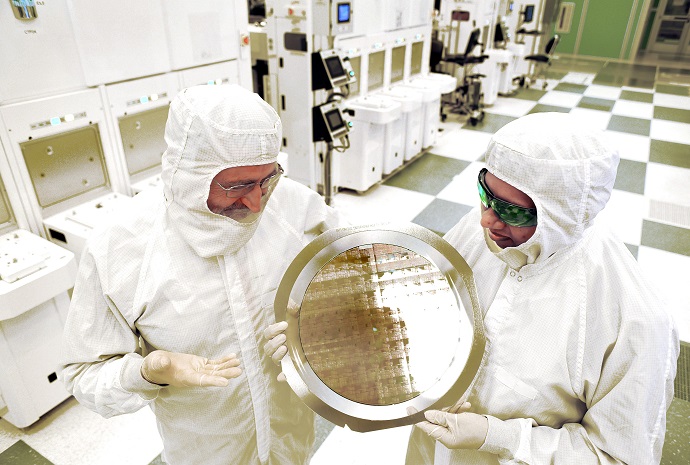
point(509, 213)
point(240, 190)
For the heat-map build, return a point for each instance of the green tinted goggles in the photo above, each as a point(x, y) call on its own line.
point(509, 213)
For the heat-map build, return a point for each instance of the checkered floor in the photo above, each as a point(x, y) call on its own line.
point(648, 119)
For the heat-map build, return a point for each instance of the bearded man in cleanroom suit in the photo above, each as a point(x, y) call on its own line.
point(173, 295)
point(581, 350)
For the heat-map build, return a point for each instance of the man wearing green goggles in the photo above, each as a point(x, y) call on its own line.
point(509, 216)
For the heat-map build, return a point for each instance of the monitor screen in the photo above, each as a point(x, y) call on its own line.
point(343, 13)
point(529, 13)
point(334, 120)
point(335, 67)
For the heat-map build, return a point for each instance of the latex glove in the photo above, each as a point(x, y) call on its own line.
point(275, 347)
point(464, 430)
point(185, 370)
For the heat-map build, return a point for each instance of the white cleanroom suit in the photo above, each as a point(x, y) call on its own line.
point(169, 274)
point(581, 351)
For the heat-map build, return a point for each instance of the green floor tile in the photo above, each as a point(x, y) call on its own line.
point(570, 87)
point(440, 215)
point(539, 108)
point(20, 453)
point(428, 174)
point(681, 385)
point(555, 74)
point(676, 445)
point(637, 96)
point(633, 249)
point(631, 176)
point(491, 123)
point(596, 103)
point(672, 114)
point(669, 153)
point(530, 94)
point(630, 125)
point(673, 90)
point(666, 237)
point(157, 461)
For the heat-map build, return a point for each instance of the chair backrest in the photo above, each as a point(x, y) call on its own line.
point(436, 54)
point(473, 41)
point(551, 45)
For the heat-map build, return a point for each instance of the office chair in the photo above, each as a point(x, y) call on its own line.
point(469, 97)
point(541, 62)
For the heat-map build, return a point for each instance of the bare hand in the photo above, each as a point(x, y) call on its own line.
point(185, 370)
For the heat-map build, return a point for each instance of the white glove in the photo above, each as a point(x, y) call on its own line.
point(275, 347)
point(185, 370)
point(464, 430)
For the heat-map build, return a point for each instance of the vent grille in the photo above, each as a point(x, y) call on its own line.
point(678, 215)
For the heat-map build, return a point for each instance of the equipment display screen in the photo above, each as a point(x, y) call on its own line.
point(343, 13)
point(529, 13)
point(335, 67)
point(334, 120)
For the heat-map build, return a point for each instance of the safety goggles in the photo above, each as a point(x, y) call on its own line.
point(240, 190)
point(509, 213)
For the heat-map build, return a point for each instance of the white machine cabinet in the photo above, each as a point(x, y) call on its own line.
point(120, 40)
point(413, 124)
point(39, 53)
point(35, 276)
point(138, 111)
point(431, 106)
point(62, 155)
point(361, 166)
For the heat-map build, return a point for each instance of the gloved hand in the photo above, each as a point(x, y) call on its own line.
point(185, 370)
point(463, 430)
point(275, 333)
point(275, 347)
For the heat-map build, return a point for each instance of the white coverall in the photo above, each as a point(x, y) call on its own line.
point(581, 352)
point(177, 277)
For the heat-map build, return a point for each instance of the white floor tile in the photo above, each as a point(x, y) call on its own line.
point(630, 146)
point(638, 89)
point(670, 131)
point(593, 118)
point(578, 78)
point(633, 109)
point(603, 92)
point(624, 214)
point(672, 101)
point(72, 435)
point(463, 188)
point(462, 144)
point(560, 99)
point(510, 107)
point(346, 447)
point(381, 204)
point(667, 184)
point(668, 272)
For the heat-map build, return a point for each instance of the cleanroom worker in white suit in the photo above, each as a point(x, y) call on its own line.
point(581, 352)
point(172, 297)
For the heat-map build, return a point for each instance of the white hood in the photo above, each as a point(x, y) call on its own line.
point(209, 129)
point(567, 169)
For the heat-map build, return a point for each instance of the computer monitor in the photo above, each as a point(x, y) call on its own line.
point(344, 12)
point(334, 120)
point(335, 67)
point(528, 14)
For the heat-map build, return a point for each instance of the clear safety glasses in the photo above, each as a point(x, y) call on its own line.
point(509, 213)
point(240, 190)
